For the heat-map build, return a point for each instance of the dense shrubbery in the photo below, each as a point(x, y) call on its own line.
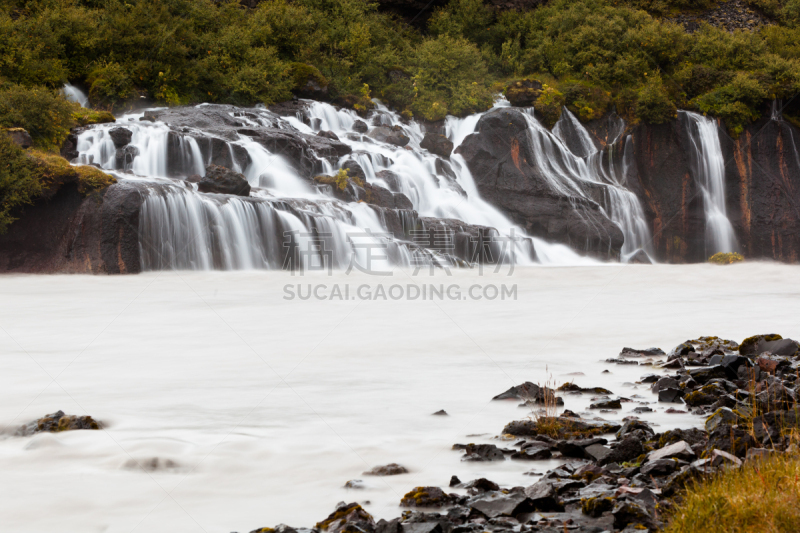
point(43, 112)
point(592, 54)
point(18, 184)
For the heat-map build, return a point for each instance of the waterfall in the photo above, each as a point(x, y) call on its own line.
point(573, 166)
point(287, 215)
point(73, 94)
point(708, 168)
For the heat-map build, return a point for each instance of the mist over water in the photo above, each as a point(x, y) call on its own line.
point(267, 407)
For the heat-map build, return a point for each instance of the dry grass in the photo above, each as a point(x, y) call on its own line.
point(763, 496)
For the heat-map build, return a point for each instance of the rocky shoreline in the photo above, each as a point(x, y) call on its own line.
point(616, 475)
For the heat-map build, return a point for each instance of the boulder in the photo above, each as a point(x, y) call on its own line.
point(679, 450)
point(390, 135)
point(20, 137)
point(427, 497)
point(482, 452)
point(57, 422)
point(360, 126)
point(392, 469)
point(120, 136)
point(772, 343)
point(497, 504)
point(223, 181)
point(625, 451)
point(536, 451)
point(437, 144)
point(606, 404)
point(721, 417)
point(543, 496)
point(660, 467)
point(347, 517)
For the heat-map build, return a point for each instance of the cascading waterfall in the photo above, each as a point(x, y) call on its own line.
point(708, 167)
point(572, 165)
point(73, 94)
point(181, 228)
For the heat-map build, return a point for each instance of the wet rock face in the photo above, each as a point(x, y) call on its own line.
point(437, 144)
point(120, 136)
point(69, 232)
point(673, 201)
point(212, 125)
point(762, 195)
point(500, 157)
point(224, 181)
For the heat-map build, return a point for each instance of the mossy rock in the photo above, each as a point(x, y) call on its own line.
point(87, 117)
point(595, 507)
point(726, 258)
point(349, 512)
point(426, 497)
point(54, 171)
point(549, 104)
point(523, 93)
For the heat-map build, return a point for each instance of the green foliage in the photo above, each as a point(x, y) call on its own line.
point(593, 54)
point(84, 117)
point(586, 100)
point(723, 258)
point(469, 19)
point(549, 105)
point(18, 185)
point(109, 84)
point(736, 102)
point(654, 105)
point(450, 78)
point(341, 179)
point(45, 113)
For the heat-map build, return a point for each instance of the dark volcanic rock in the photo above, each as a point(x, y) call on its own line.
point(348, 517)
point(503, 161)
point(437, 144)
point(392, 469)
point(69, 232)
point(224, 181)
point(57, 422)
point(20, 137)
point(483, 452)
point(390, 135)
point(427, 497)
point(772, 343)
point(120, 136)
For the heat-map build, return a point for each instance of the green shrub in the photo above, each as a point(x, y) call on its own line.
point(45, 113)
point(585, 100)
point(18, 185)
point(84, 117)
point(736, 102)
point(654, 105)
point(549, 105)
point(450, 77)
point(469, 19)
point(723, 258)
point(109, 84)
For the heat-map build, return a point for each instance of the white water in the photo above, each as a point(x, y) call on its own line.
point(183, 229)
point(573, 166)
point(269, 406)
point(709, 173)
point(73, 94)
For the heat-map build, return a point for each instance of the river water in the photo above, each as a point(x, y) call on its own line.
point(265, 407)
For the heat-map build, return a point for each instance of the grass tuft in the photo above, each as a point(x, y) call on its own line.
point(760, 496)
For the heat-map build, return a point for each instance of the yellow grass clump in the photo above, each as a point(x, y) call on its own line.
point(761, 496)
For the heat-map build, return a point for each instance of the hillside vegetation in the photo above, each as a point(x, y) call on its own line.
point(591, 54)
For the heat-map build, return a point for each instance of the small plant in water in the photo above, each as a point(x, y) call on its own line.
point(726, 258)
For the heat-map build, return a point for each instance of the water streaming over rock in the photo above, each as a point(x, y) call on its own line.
point(572, 165)
point(181, 228)
point(73, 94)
point(708, 169)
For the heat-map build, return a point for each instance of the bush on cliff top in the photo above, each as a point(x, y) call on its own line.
point(189, 51)
point(44, 113)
